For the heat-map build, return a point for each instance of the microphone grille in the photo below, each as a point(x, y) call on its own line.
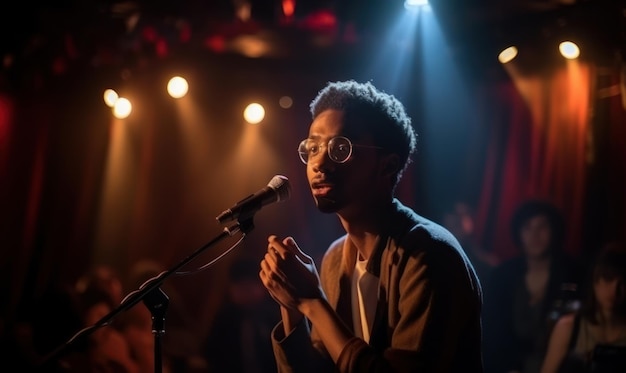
point(280, 184)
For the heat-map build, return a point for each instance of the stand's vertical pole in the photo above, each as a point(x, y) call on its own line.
point(157, 301)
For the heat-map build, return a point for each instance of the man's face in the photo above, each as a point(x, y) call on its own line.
point(337, 186)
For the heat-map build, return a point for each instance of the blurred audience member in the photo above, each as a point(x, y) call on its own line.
point(594, 339)
point(110, 348)
point(460, 222)
point(246, 348)
point(103, 282)
point(526, 293)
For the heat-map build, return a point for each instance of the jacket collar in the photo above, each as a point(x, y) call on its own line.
point(401, 219)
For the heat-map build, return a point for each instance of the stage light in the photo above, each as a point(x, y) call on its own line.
point(110, 96)
point(122, 108)
point(507, 55)
point(289, 7)
point(569, 50)
point(177, 87)
point(415, 4)
point(254, 113)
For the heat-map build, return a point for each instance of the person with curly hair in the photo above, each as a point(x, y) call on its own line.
point(396, 292)
point(524, 292)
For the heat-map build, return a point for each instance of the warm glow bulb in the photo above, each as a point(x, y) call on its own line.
point(285, 102)
point(122, 108)
point(507, 55)
point(254, 113)
point(110, 96)
point(569, 50)
point(177, 87)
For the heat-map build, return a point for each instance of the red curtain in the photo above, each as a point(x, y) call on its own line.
point(538, 148)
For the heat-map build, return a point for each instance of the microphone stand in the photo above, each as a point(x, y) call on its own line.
point(157, 301)
point(153, 297)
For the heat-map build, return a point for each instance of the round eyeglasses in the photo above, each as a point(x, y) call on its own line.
point(339, 149)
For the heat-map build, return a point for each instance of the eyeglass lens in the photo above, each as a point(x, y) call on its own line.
point(339, 149)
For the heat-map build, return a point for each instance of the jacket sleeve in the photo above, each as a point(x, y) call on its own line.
point(302, 350)
point(296, 352)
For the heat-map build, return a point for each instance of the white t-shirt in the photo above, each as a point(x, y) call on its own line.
point(364, 300)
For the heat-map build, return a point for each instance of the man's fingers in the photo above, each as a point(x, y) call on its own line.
point(287, 246)
point(268, 285)
point(277, 246)
point(271, 268)
point(290, 243)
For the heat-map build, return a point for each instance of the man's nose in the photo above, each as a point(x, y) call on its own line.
point(321, 162)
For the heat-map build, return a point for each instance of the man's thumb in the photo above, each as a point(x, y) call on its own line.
point(293, 246)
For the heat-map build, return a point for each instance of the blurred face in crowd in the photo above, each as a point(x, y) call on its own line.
point(608, 291)
point(460, 221)
point(536, 236)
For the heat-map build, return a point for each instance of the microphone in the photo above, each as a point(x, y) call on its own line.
point(277, 190)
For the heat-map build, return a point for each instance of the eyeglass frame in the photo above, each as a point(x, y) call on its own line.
point(352, 146)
